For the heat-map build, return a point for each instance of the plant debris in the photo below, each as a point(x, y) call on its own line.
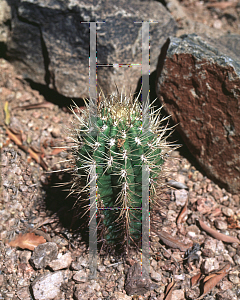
point(169, 290)
point(7, 113)
point(17, 139)
point(183, 214)
point(27, 241)
point(218, 235)
point(209, 282)
point(196, 279)
point(172, 242)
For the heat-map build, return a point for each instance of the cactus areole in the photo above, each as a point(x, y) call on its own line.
point(119, 148)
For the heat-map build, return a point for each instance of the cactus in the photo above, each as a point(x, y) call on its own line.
point(118, 150)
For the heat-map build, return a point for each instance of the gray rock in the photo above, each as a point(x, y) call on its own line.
point(43, 254)
point(24, 256)
point(219, 224)
point(227, 211)
point(80, 276)
point(76, 266)
point(61, 263)
point(198, 81)
point(121, 296)
point(156, 276)
point(1, 280)
point(176, 184)
point(49, 44)
point(181, 197)
point(101, 268)
point(236, 259)
point(136, 283)
point(5, 16)
point(209, 265)
point(47, 287)
point(24, 294)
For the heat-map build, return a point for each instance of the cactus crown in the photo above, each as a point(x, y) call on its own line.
point(118, 149)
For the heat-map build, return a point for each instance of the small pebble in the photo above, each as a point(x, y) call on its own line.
point(221, 225)
point(227, 211)
point(209, 265)
point(181, 197)
point(234, 279)
point(237, 259)
point(80, 276)
point(178, 295)
point(156, 276)
point(62, 262)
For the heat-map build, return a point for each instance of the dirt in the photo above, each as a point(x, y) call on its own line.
point(31, 138)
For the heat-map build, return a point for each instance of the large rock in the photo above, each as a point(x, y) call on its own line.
point(5, 17)
point(43, 254)
point(47, 286)
point(137, 281)
point(199, 83)
point(49, 45)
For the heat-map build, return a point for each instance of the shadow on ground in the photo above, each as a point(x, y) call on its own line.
point(65, 207)
point(72, 217)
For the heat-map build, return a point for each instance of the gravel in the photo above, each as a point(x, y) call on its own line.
point(31, 202)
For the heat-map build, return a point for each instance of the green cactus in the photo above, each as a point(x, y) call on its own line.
point(119, 149)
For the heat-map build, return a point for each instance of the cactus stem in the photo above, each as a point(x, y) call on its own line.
point(120, 147)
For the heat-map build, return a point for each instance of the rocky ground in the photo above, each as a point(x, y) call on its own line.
point(31, 134)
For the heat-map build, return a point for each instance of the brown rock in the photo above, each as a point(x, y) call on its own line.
point(217, 194)
point(122, 296)
point(61, 263)
point(199, 86)
point(24, 294)
point(206, 205)
point(1, 280)
point(178, 295)
point(137, 283)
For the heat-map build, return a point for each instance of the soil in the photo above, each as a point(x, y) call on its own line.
point(33, 164)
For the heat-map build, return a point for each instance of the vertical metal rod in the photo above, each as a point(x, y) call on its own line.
point(93, 116)
point(145, 169)
point(93, 73)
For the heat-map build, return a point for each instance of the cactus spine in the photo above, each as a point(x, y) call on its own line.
point(118, 150)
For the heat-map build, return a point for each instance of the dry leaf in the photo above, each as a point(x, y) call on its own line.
point(221, 5)
point(209, 277)
point(7, 113)
point(77, 109)
point(58, 150)
point(214, 280)
point(183, 214)
point(169, 290)
point(172, 242)
point(38, 159)
point(16, 138)
point(18, 141)
point(196, 279)
point(44, 104)
point(217, 212)
point(27, 241)
point(218, 235)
